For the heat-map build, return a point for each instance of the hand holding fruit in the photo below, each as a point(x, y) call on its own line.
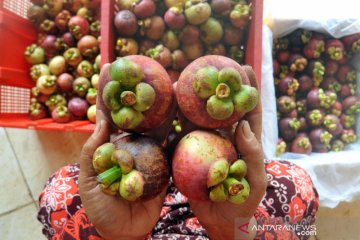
point(218, 218)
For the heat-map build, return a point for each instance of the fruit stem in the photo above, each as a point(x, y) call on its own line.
point(222, 91)
point(128, 98)
point(109, 176)
point(233, 186)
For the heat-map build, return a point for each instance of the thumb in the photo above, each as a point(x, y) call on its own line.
point(251, 152)
point(99, 137)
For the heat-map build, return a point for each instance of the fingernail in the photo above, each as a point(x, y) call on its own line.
point(246, 130)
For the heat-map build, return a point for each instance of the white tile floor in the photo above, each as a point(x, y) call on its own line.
point(28, 158)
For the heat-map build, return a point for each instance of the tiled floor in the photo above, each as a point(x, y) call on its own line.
point(28, 158)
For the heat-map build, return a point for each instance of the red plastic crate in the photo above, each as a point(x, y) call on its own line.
point(253, 54)
point(15, 83)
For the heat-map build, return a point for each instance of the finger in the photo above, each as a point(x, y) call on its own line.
point(99, 137)
point(251, 152)
point(254, 117)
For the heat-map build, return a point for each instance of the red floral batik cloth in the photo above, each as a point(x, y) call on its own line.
point(290, 199)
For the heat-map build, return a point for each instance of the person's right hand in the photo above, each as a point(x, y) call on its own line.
point(114, 217)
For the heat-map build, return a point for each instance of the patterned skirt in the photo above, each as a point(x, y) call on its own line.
point(290, 199)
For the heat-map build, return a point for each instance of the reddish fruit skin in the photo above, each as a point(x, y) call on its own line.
point(292, 114)
point(331, 67)
point(298, 149)
point(337, 108)
point(283, 56)
point(286, 85)
point(276, 67)
point(303, 125)
point(348, 102)
point(305, 83)
point(62, 19)
point(145, 8)
point(174, 20)
point(189, 35)
point(174, 75)
point(334, 43)
point(310, 49)
point(191, 105)
point(149, 159)
point(65, 82)
point(49, 46)
point(312, 99)
point(145, 45)
point(350, 39)
point(221, 6)
point(330, 83)
point(345, 91)
point(81, 23)
point(126, 23)
point(88, 46)
point(78, 107)
point(60, 119)
point(233, 36)
point(157, 77)
point(342, 73)
point(190, 165)
point(314, 136)
point(286, 131)
point(68, 39)
point(156, 29)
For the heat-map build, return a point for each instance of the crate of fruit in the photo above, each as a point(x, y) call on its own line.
point(174, 33)
point(50, 60)
point(154, 26)
point(311, 82)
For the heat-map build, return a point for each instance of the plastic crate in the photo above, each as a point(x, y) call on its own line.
point(15, 83)
point(253, 54)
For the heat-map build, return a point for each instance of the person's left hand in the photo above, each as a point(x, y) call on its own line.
point(219, 219)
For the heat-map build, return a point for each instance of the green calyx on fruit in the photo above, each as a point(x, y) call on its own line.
point(354, 109)
point(126, 72)
point(231, 77)
point(123, 159)
point(337, 145)
point(112, 190)
point(224, 92)
point(218, 172)
point(304, 143)
point(238, 169)
point(280, 148)
point(219, 109)
point(218, 193)
point(227, 182)
point(241, 196)
point(351, 76)
point(319, 69)
point(349, 121)
point(109, 176)
point(327, 100)
point(127, 117)
point(335, 53)
point(356, 46)
point(205, 82)
point(240, 10)
point(127, 98)
point(325, 138)
point(329, 123)
point(246, 99)
point(348, 137)
point(132, 186)
point(111, 95)
point(299, 65)
point(294, 124)
point(102, 157)
point(319, 48)
point(315, 117)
